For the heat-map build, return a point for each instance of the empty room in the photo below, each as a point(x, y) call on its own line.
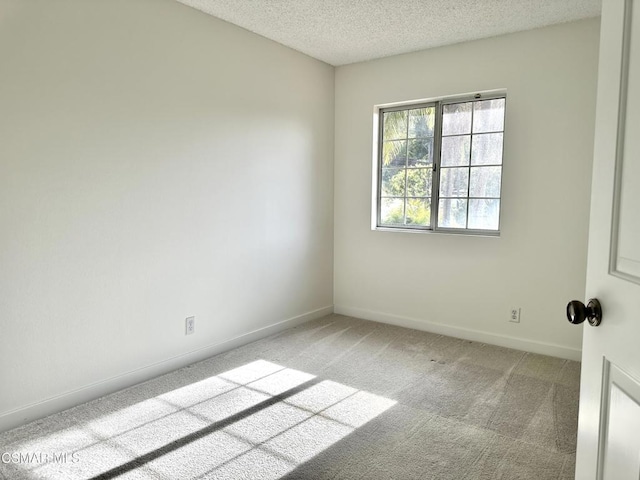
point(284, 239)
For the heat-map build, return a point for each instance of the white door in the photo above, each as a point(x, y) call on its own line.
point(609, 424)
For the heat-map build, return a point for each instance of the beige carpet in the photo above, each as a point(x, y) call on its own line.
point(337, 398)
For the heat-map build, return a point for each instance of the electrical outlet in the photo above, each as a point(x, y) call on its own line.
point(514, 315)
point(189, 325)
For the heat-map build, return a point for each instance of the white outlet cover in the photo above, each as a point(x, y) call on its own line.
point(190, 325)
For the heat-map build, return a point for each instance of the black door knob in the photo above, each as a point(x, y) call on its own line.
point(578, 313)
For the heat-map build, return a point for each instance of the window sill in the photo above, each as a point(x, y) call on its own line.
point(464, 233)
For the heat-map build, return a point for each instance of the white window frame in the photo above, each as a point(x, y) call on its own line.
point(435, 185)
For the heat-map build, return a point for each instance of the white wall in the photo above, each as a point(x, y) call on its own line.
point(155, 163)
point(463, 285)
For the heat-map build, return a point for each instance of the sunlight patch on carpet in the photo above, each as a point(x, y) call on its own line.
point(257, 421)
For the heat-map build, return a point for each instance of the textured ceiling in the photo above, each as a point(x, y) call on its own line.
point(347, 31)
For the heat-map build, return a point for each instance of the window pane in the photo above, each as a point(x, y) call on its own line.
point(469, 158)
point(394, 154)
point(418, 211)
point(488, 116)
point(452, 213)
point(454, 182)
point(421, 122)
point(420, 152)
point(484, 214)
point(392, 211)
point(487, 149)
point(393, 180)
point(395, 125)
point(485, 182)
point(455, 151)
point(418, 182)
point(456, 118)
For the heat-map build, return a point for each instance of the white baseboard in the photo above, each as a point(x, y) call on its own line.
point(58, 403)
point(464, 333)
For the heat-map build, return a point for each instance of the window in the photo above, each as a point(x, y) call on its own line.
point(440, 165)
